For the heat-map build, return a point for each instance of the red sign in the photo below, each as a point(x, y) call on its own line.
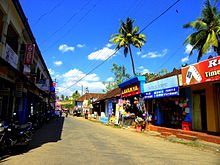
point(54, 84)
point(29, 54)
point(131, 90)
point(204, 71)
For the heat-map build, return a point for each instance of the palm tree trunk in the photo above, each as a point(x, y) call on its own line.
point(132, 61)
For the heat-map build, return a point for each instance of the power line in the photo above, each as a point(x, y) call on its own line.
point(90, 71)
point(69, 29)
point(49, 12)
point(117, 50)
point(68, 21)
point(151, 22)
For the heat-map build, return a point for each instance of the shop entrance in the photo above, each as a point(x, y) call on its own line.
point(199, 111)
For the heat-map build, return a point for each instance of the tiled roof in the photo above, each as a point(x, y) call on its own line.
point(87, 96)
point(110, 94)
point(173, 73)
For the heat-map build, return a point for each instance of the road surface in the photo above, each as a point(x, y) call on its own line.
point(73, 140)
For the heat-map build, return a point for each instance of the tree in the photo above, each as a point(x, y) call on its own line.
point(163, 71)
point(120, 75)
point(75, 96)
point(128, 36)
point(207, 33)
point(150, 76)
point(62, 97)
point(66, 98)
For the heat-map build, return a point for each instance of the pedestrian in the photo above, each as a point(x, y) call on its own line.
point(57, 113)
point(86, 114)
point(61, 111)
point(67, 112)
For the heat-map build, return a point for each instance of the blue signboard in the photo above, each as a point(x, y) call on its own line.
point(165, 83)
point(162, 93)
point(109, 109)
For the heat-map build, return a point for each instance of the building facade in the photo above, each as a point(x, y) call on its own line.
point(25, 82)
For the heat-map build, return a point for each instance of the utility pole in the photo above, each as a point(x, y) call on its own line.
point(82, 89)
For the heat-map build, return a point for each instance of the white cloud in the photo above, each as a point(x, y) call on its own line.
point(101, 54)
point(188, 48)
point(139, 53)
point(80, 45)
point(141, 67)
point(108, 45)
point(64, 48)
point(143, 70)
point(110, 79)
point(58, 63)
point(70, 80)
point(75, 74)
point(185, 59)
point(51, 71)
point(155, 54)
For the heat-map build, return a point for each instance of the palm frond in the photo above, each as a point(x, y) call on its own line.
point(196, 25)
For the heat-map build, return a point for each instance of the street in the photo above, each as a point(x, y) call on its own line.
point(75, 140)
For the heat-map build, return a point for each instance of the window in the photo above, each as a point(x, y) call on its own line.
point(12, 38)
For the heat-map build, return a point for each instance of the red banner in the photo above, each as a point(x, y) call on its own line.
point(29, 54)
point(131, 90)
point(204, 71)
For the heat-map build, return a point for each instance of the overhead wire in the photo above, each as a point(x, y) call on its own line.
point(151, 22)
point(67, 22)
point(89, 72)
point(80, 20)
point(130, 10)
point(49, 12)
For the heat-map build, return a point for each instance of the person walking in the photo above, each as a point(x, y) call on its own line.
point(57, 113)
point(86, 114)
point(67, 112)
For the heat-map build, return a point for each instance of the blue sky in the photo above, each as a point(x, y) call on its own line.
point(73, 37)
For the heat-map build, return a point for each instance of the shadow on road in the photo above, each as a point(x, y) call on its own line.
point(50, 132)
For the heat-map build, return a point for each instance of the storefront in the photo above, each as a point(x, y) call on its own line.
point(204, 81)
point(131, 94)
point(166, 103)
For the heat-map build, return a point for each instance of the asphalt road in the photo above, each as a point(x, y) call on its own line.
point(76, 141)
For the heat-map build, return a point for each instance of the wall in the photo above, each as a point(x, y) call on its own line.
point(211, 105)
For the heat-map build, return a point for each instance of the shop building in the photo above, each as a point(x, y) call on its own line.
point(86, 101)
point(25, 82)
point(167, 103)
point(131, 93)
point(203, 80)
point(107, 103)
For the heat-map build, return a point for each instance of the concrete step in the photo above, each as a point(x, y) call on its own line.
point(187, 137)
point(166, 134)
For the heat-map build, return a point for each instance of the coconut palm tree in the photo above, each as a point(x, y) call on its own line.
point(207, 35)
point(128, 35)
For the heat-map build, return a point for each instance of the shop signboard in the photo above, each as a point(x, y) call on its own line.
point(10, 56)
point(133, 89)
point(109, 109)
point(161, 88)
point(43, 85)
point(29, 54)
point(162, 93)
point(205, 71)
